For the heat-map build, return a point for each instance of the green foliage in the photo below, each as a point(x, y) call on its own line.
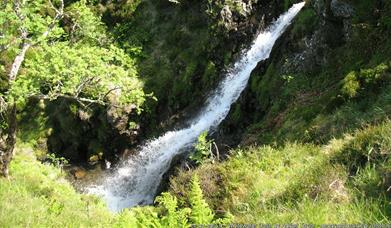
point(34, 17)
point(85, 26)
point(115, 12)
point(57, 162)
point(350, 85)
point(305, 22)
point(167, 212)
point(203, 149)
point(366, 77)
point(372, 75)
point(87, 67)
point(173, 217)
point(80, 71)
point(200, 213)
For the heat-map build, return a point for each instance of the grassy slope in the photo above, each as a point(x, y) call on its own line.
point(345, 181)
point(38, 194)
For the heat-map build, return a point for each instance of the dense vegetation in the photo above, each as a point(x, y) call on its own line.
point(311, 133)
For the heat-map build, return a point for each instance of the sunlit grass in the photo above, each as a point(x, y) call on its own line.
point(344, 181)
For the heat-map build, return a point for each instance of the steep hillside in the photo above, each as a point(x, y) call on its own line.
point(329, 75)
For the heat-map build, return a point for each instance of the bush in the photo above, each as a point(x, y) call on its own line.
point(202, 150)
point(350, 85)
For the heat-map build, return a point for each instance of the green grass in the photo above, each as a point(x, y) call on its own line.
point(345, 181)
point(38, 194)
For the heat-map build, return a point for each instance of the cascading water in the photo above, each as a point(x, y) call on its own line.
point(137, 179)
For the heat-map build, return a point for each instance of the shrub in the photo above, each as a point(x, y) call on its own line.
point(350, 85)
point(202, 150)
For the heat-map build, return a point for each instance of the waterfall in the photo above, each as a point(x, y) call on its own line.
point(137, 179)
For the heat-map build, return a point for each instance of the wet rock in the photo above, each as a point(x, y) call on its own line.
point(79, 173)
point(341, 9)
point(128, 153)
point(94, 159)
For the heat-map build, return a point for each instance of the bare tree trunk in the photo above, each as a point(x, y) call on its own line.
point(18, 62)
point(7, 152)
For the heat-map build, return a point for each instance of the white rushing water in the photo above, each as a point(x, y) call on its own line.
point(137, 179)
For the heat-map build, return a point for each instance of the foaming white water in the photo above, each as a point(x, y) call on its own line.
point(138, 178)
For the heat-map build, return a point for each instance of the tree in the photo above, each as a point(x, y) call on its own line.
point(74, 61)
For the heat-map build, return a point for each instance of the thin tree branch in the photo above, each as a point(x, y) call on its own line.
point(111, 90)
point(79, 99)
point(59, 15)
point(26, 43)
point(82, 85)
